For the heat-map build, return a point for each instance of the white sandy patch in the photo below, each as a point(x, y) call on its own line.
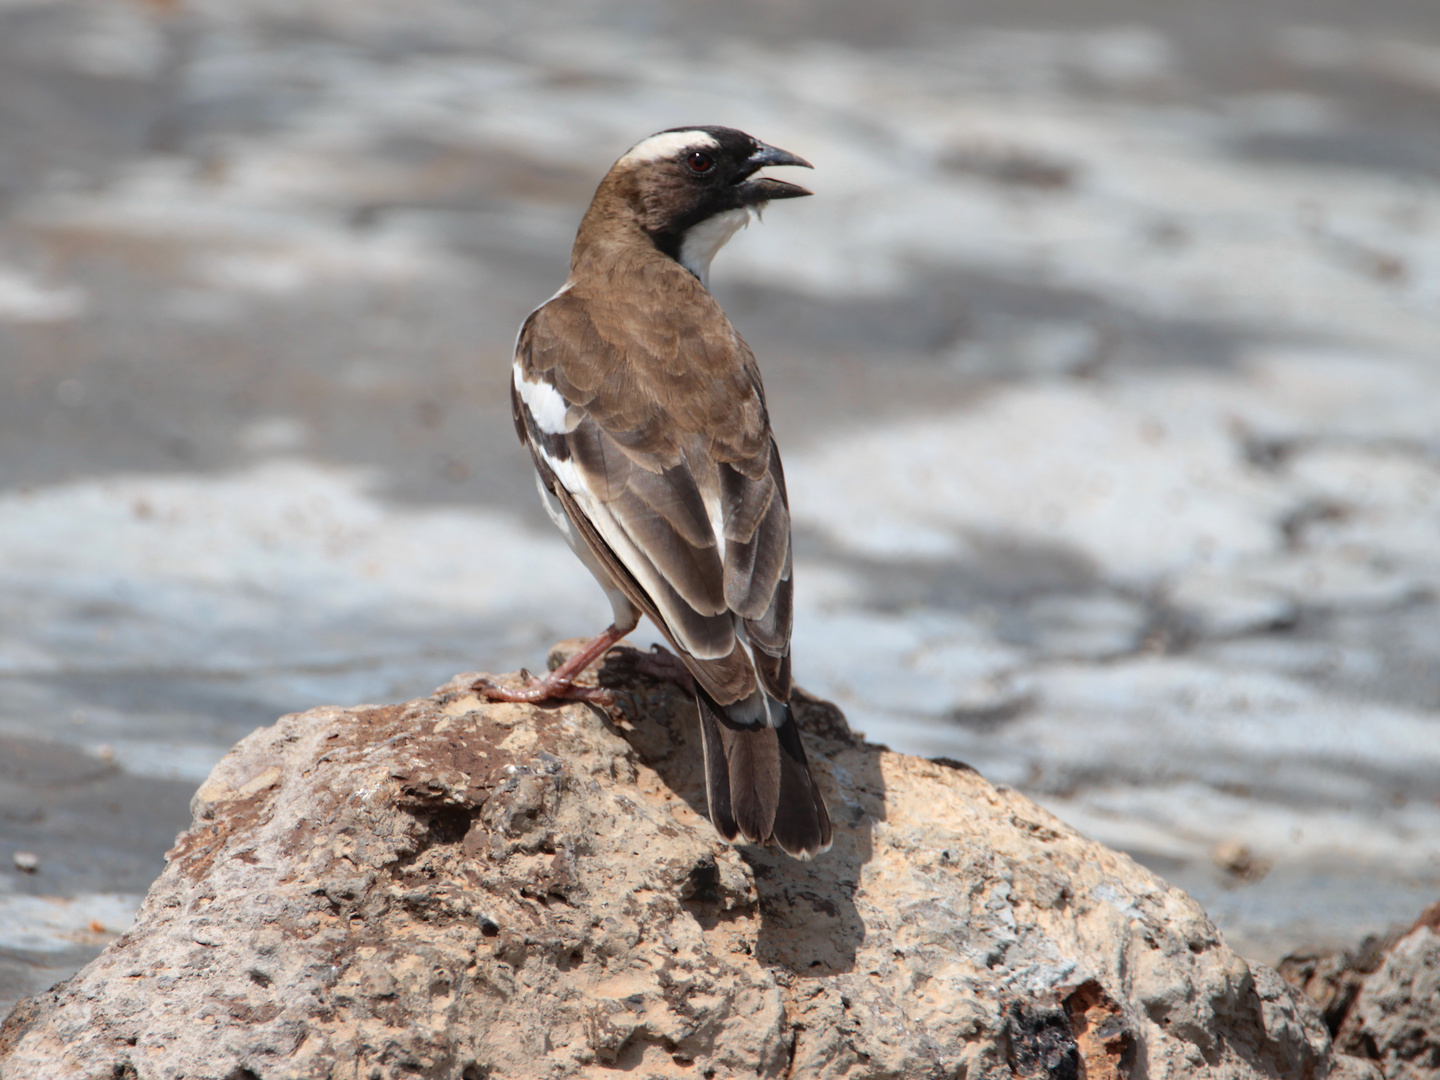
point(188, 560)
point(1056, 464)
point(23, 299)
point(43, 924)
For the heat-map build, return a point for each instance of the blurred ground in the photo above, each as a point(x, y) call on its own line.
point(1104, 362)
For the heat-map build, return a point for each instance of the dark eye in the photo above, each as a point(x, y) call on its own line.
point(700, 162)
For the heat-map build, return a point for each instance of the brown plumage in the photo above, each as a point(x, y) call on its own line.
point(645, 415)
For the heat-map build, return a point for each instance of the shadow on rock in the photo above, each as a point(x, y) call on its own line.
point(809, 923)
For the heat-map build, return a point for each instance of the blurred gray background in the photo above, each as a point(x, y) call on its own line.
point(1105, 361)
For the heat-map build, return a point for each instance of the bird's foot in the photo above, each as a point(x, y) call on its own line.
point(560, 684)
point(624, 665)
point(534, 690)
point(660, 663)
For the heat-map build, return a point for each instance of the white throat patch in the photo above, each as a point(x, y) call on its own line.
point(668, 144)
point(704, 240)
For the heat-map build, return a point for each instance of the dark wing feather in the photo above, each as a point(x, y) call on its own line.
point(655, 521)
point(727, 678)
point(758, 567)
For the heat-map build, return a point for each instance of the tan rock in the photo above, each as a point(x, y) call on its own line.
point(1395, 1018)
point(446, 888)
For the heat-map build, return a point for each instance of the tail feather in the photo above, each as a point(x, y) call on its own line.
point(802, 822)
point(758, 782)
point(754, 781)
point(717, 771)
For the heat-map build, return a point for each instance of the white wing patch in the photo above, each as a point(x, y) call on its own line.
point(550, 410)
point(702, 241)
point(667, 145)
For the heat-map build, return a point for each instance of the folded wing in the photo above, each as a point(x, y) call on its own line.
point(656, 442)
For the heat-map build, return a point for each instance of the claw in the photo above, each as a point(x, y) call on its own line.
point(560, 683)
point(534, 690)
point(660, 663)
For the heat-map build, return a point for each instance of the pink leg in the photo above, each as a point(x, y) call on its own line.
point(560, 683)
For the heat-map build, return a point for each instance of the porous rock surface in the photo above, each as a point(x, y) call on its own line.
point(445, 888)
point(1381, 1001)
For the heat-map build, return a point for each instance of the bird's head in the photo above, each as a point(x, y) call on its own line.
point(692, 188)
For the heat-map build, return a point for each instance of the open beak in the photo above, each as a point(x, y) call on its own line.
point(764, 188)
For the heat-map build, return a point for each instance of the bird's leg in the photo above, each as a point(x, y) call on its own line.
point(560, 683)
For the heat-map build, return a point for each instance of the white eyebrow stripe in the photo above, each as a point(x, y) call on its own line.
point(667, 144)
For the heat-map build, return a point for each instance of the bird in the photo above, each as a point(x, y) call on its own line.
point(645, 417)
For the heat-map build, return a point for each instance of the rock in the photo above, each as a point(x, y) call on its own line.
point(446, 888)
point(1382, 1001)
point(1236, 859)
point(26, 862)
point(1332, 978)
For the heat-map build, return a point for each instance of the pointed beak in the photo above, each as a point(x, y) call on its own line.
point(773, 155)
point(764, 188)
